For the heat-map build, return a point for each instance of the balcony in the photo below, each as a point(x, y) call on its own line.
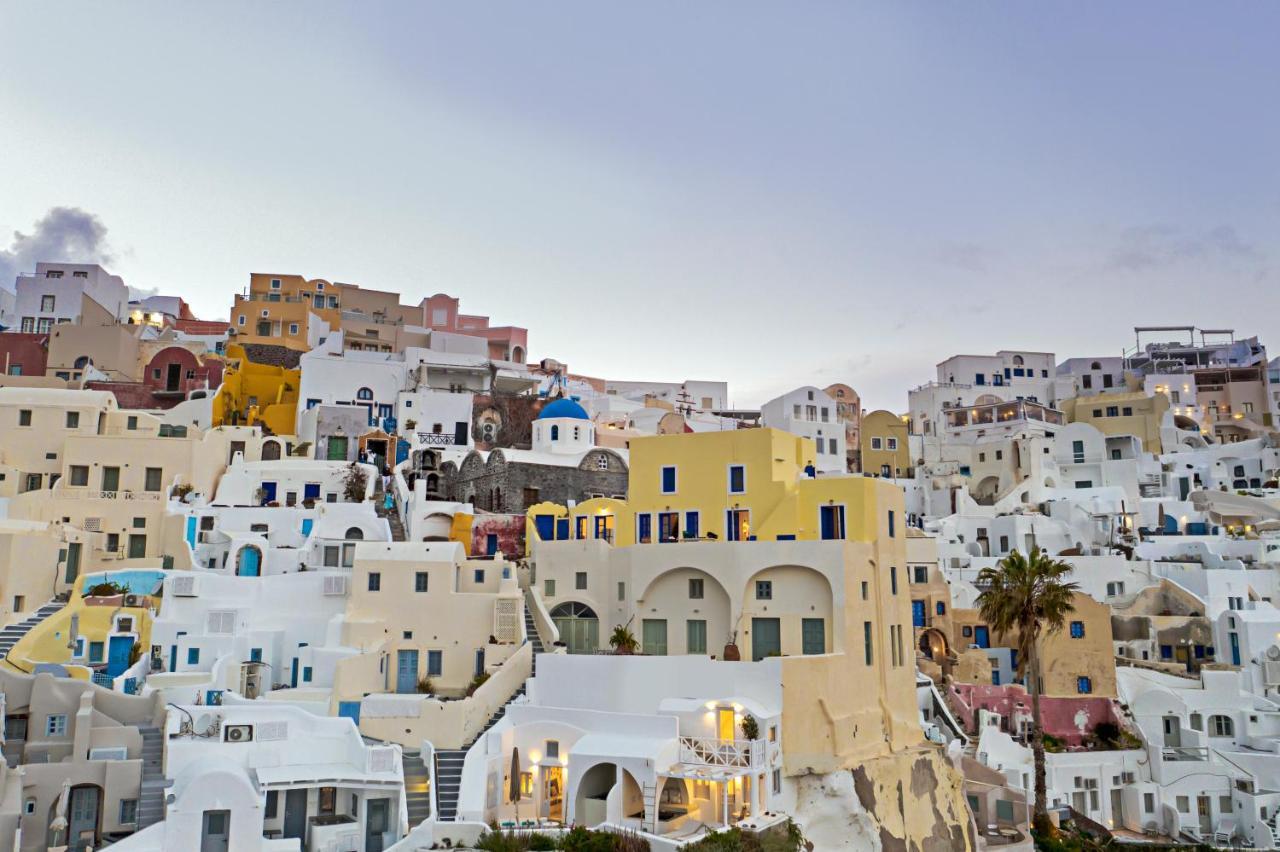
point(75, 493)
point(716, 753)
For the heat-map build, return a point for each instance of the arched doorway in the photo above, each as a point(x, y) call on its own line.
point(579, 627)
point(590, 806)
point(84, 819)
point(933, 644)
point(354, 534)
point(271, 451)
point(248, 561)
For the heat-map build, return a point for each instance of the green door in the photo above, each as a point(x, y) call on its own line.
point(111, 479)
point(814, 636)
point(696, 636)
point(766, 638)
point(655, 636)
point(137, 546)
point(337, 448)
point(578, 626)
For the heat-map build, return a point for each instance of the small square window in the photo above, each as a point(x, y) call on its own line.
point(479, 575)
point(420, 581)
point(669, 480)
point(695, 588)
point(580, 580)
point(1077, 630)
point(764, 590)
point(55, 725)
point(375, 581)
point(73, 419)
point(24, 417)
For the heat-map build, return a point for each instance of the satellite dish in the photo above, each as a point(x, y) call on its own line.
point(1273, 653)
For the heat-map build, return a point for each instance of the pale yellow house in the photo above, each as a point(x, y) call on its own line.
point(1121, 414)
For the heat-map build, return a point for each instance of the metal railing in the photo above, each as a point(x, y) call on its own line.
point(1176, 753)
point(76, 493)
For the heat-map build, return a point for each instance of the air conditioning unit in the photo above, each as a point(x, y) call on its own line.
point(221, 622)
point(112, 753)
point(335, 585)
point(182, 587)
point(237, 734)
point(1271, 672)
point(133, 600)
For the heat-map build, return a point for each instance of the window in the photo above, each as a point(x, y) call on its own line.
point(1084, 685)
point(1148, 803)
point(79, 474)
point(55, 725)
point(893, 579)
point(1197, 722)
point(420, 581)
point(478, 576)
point(193, 656)
point(1184, 804)
point(548, 588)
point(154, 476)
point(1221, 726)
point(375, 581)
point(1128, 411)
point(891, 533)
point(942, 608)
point(1113, 411)
point(764, 590)
point(602, 462)
point(306, 673)
point(866, 641)
point(865, 590)
point(275, 283)
point(737, 479)
point(73, 419)
point(128, 811)
point(435, 663)
point(669, 480)
point(777, 782)
point(24, 417)
point(131, 423)
point(580, 580)
point(293, 328)
point(96, 652)
point(1077, 630)
point(46, 304)
point(891, 443)
point(622, 591)
point(921, 574)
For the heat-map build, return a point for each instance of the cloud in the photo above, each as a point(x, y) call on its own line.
point(969, 257)
point(64, 234)
point(1152, 247)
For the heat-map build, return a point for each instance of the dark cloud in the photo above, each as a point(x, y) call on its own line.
point(1148, 247)
point(64, 234)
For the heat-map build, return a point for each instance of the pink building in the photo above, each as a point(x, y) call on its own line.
point(506, 342)
point(1070, 719)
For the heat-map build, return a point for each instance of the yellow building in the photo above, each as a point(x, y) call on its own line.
point(257, 393)
point(1121, 414)
point(104, 629)
point(740, 485)
point(278, 309)
point(884, 445)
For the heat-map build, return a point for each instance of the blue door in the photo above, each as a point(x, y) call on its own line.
point(268, 492)
point(562, 529)
point(644, 530)
point(402, 450)
point(982, 637)
point(350, 709)
point(831, 519)
point(248, 566)
point(545, 526)
point(1235, 648)
point(191, 530)
point(307, 524)
point(118, 654)
point(406, 671)
point(490, 544)
point(293, 674)
point(173, 652)
point(311, 491)
point(917, 613)
point(995, 677)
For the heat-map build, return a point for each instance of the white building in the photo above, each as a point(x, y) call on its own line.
point(56, 293)
point(810, 413)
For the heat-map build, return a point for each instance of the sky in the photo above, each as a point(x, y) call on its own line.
point(768, 194)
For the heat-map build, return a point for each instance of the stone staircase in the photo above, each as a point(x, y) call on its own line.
point(392, 515)
point(10, 635)
point(154, 784)
point(449, 761)
point(417, 787)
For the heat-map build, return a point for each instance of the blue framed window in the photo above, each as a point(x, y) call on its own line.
point(942, 608)
point(1166, 652)
point(435, 663)
point(193, 656)
point(1077, 630)
point(375, 581)
point(737, 479)
point(95, 652)
point(1084, 685)
point(306, 674)
point(255, 655)
point(669, 479)
point(644, 528)
point(479, 575)
point(691, 523)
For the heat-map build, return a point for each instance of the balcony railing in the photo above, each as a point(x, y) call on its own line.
point(1170, 753)
point(77, 493)
point(709, 751)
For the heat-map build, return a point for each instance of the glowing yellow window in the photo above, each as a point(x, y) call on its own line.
point(724, 724)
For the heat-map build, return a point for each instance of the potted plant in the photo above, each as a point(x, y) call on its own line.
point(750, 727)
point(731, 652)
point(426, 686)
point(623, 641)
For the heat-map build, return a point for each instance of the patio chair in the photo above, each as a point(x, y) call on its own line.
point(1225, 831)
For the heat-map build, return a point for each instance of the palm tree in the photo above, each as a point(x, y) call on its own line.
point(1027, 596)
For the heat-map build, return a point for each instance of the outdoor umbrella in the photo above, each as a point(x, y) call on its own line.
point(513, 787)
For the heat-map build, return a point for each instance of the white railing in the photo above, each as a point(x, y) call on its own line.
point(78, 494)
point(709, 751)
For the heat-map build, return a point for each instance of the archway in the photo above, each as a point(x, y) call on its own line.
point(517, 355)
point(590, 806)
point(579, 627)
point(788, 609)
point(933, 644)
point(354, 534)
point(248, 561)
point(271, 451)
point(984, 494)
point(673, 594)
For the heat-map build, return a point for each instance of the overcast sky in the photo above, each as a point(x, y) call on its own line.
point(773, 195)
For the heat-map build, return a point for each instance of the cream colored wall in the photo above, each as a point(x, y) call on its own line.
point(1144, 423)
point(668, 597)
point(29, 570)
point(113, 349)
point(25, 449)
